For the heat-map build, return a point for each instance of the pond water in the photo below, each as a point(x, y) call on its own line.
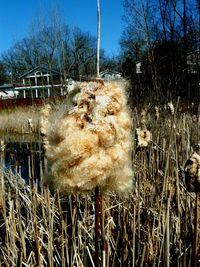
point(24, 155)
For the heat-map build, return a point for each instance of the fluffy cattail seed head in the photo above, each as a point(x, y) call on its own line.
point(143, 137)
point(90, 145)
point(171, 107)
point(2, 146)
point(192, 171)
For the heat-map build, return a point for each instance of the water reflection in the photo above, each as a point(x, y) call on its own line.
point(24, 155)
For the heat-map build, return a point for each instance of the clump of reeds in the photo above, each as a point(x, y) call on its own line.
point(33, 227)
point(153, 227)
point(15, 121)
point(40, 229)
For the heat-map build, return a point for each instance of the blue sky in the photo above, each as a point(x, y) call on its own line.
point(17, 16)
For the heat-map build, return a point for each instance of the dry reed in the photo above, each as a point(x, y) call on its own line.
point(20, 120)
point(153, 227)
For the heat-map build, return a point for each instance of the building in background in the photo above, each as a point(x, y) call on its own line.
point(110, 75)
point(7, 91)
point(193, 70)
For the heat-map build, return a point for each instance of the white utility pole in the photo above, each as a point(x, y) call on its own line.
point(98, 36)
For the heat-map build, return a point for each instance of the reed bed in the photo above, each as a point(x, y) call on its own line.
point(152, 226)
point(20, 120)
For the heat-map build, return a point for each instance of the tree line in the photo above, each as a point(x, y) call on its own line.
point(158, 34)
point(71, 51)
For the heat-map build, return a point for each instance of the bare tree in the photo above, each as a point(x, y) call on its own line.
point(57, 46)
point(83, 52)
point(143, 27)
point(161, 42)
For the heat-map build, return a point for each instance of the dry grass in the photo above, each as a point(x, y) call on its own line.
point(153, 226)
point(16, 120)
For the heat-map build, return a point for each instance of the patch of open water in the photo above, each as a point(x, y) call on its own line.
point(23, 154)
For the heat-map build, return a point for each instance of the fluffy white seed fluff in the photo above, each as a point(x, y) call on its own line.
point(90, 145)
point(192, 171)
point(143, 137)
point(171, 107)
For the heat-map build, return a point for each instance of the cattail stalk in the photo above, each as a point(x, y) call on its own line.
point(196, 230)
point(167, 168)
point(103, 244)
point(167, 242)
point(134, 227)
point(97, 222)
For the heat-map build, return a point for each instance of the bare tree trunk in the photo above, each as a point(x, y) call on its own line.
point(98, 36)
point(151, 52)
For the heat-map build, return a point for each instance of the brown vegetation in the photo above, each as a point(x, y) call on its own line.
point(153, 226)
point(16, 120)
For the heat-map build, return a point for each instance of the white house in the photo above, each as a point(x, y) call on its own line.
point(109, 75)
point(8, 91)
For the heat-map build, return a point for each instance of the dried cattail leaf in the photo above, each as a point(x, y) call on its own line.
point(157, 113)
point(45, 112)
point(30, 125)
point(143, 117)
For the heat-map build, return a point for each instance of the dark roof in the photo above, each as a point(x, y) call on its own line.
point(40, 69)
point(109, 71)
point(7, 86)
